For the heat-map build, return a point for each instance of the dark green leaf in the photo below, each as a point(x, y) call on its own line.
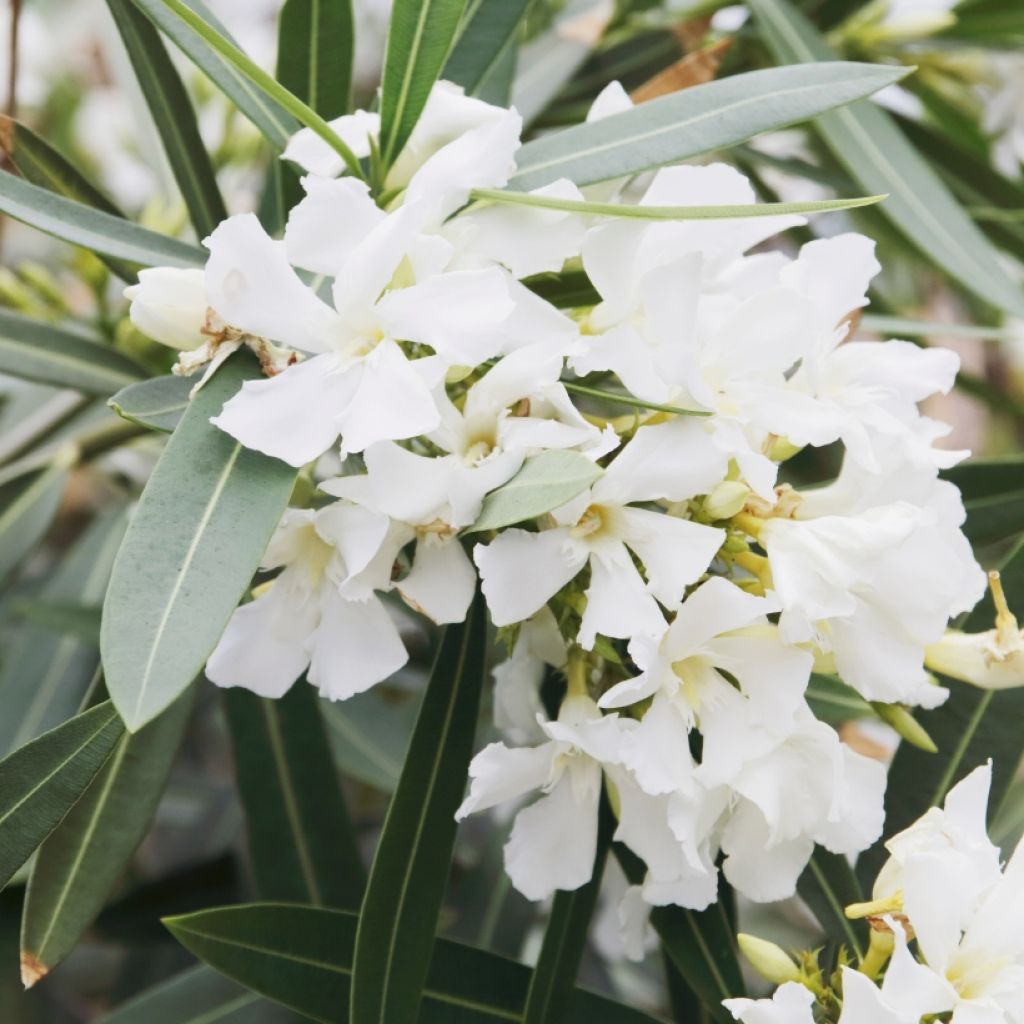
point(827, 885)
point(554, 976)
point(866, 141)
point(302, 958)
point(833, 701)
point(38, 162)
point(399, 915)
point(27, 507)
point(172, 113)
point(315, 51)
point(44, 674)
point(79, 864)
point(47, 354)
point(419, 39)
point(301, 840)
point(82, 621)
point(195, 540)
point(489, 34)
point(987, 478)
point(994, 517)
point(695, 121)
point(971, 727)
point(40, 783)
point(92, 229)
point(158, 403)
point(276, 124)
point(200, 996)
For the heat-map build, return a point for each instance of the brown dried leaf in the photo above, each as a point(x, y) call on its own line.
point(694, 69)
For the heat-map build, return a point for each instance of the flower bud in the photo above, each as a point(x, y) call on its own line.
point(169, 305)
point(897, 717)
point(770, 961)
point(726, 499)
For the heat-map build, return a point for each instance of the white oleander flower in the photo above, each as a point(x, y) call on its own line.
point(521, 571)
point(791, 1004)
point(320, 615)
point(871, 568)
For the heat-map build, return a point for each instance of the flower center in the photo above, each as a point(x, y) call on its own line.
point(594, 521)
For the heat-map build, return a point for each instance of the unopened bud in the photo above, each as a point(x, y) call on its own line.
point(779, 449)
point(897, 717)
point(726, 499)
point(893, 903)
point(772, 962)
point(169, 305)
point(457, 373)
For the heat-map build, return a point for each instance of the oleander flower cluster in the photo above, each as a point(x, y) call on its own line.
point(945, 891)
point(681, 600)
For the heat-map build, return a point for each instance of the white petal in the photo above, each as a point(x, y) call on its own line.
point(334, 217)
point(355, 647)
point(290, 416)
point(357, 534)
point(553, 842)
point(442, 581)
point(761, 873)
point(499, 773)
point(406, 486)
point(263, 648)
point(251, 285)
point(658, 752)
point(618, 603)
point(715, 607)
point(169, 305)
point(521, 571)
point(390, 401)
point(675, 552)
point(791, 1004)
point(313, 154)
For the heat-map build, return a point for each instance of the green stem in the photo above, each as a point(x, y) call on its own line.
point(634, 403)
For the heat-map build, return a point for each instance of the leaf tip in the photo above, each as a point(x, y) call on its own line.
point(33, 969)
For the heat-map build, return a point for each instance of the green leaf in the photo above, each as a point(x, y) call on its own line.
point(301, 840)
point(420, 37)
point(195, 540)
point(302, 957)
point(866, 141)
point(900, 327)
point(994, 517)
point(158, 403)
point(403, 897)
point(40, 783)
point(700, 943)
point(637, 212)
point(567, 290)
point(38, 162)
point(273, 121)
point(47, 354)
point(554, 976)
point(172, 113)
point(695, 121)
point(261, 87)
point(619, 398)
point(315, 52)
point(77, 867)
point(546, 481)
point(986, 478)
point(200, 996)
point(27, 507)
point(45, 675)
point(827, 885)
point(81, 620)
point(370, 735)
point(833, 701)
point(971, 727)
point(96, 230)
point(488, 36)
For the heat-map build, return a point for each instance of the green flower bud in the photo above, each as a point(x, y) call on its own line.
point(772, 962)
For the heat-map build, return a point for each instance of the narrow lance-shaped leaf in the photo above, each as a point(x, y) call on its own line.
point(488, 34)
point(554, 975)
point(158, 403)
point(695, 121)
point(399, 914)
point(200, 996)
point(301, 840)
point(40, 783)
point(545, 482)
point(273, 121)
point(42, 352)
point(866, 141)
point(828, 885)
point(198, 534)
point(302, 957)
point(27, 507)
point(45, 674)
point(79, 864)
point(971, 727)
point(172, 113)
point(92, 229)
point(420, 37)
